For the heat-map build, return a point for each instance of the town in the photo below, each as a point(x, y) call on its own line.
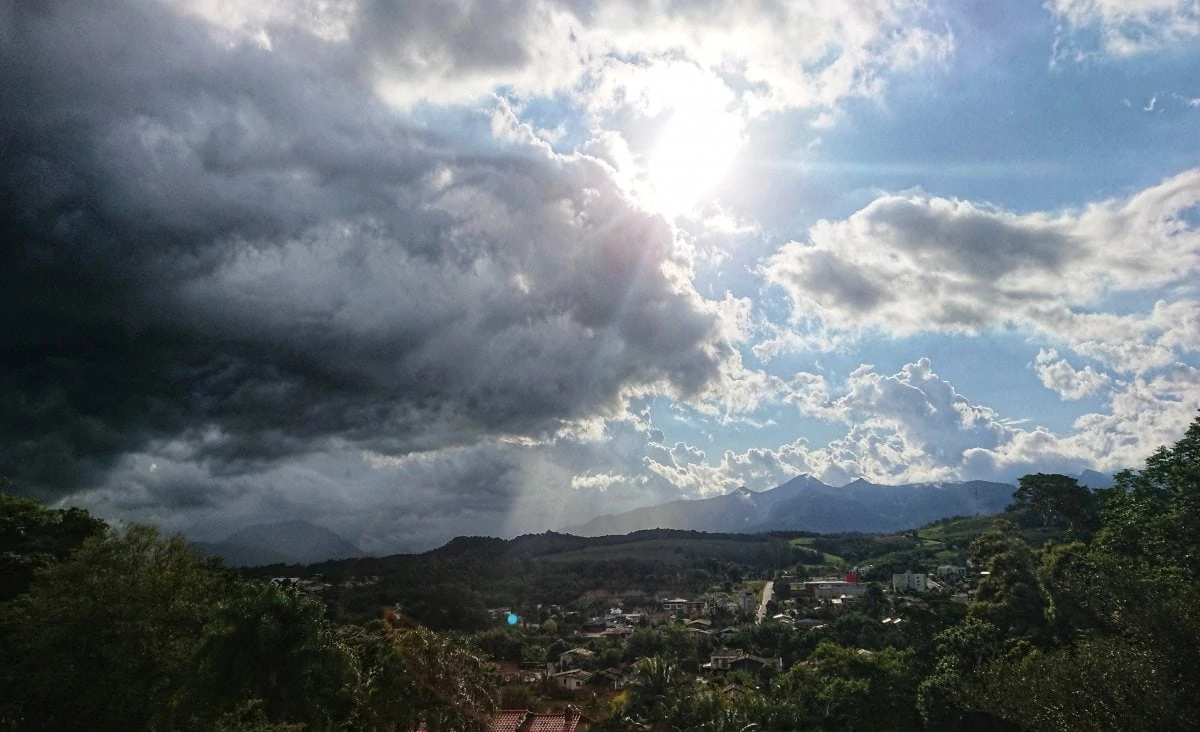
point(568, 665)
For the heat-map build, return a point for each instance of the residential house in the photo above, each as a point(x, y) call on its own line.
point(747, 601)
point(729, 659)
point(613, 679)
point(572, 680)
point(720, 659)
point(575, 658)
point(755, 664)
point(687, 607)
point(513, 674)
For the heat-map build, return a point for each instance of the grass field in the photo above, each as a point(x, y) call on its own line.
point(827, 560)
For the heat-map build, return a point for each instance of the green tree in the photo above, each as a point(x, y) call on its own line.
point(107, 637)
point(654, 691)
point(852, 689)
point(1058, 500)
point(1124, 605)
point(1010, 596)
point(949, 696)
point(269, 644)
point(32, 537)
point(413, 676)
point(533, 653)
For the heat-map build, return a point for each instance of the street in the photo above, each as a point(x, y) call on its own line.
point(766, 597)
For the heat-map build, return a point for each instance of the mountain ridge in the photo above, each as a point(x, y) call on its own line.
point(807, 504)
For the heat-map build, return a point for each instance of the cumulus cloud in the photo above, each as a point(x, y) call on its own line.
point(911, 263)
point(1123, 27)
point(1063, 378)
point(916, 426)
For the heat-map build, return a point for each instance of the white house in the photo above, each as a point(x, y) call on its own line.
point(950, 571)
point(823, 589)
point(688, 607)
point(572, 680)
point(909, 581)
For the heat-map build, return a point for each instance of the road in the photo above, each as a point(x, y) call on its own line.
point(762, 608)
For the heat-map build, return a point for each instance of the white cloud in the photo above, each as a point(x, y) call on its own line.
point(792, 54)
point(1123, 27)
point(907, 264)
point(1064, 379)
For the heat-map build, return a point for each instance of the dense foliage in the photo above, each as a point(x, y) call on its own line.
point(131, 631)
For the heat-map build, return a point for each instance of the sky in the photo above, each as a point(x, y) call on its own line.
point(411, 270)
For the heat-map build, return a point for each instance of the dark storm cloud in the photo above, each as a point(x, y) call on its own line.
point(244, 252)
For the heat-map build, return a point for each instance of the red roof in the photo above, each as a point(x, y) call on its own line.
point(522, 720)
point(509, 720)
point(551, 723)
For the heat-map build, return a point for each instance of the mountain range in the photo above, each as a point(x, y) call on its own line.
point(806, 504)
point(801, 504)
point(290, 542)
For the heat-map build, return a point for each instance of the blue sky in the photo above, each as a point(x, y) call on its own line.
point(417, 269)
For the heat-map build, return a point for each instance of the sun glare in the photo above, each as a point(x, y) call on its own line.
point(693, 155)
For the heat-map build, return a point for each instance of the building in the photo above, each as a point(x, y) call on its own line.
point(951, 572)
point(909, 581)
point(824, 589)
point(747, 601)
point(730, 659)
point(722, 657)
point(511, 673)
point(755, 664)
point(687, 607)
point(575, 657)
point(611, 678)
point(572, 680)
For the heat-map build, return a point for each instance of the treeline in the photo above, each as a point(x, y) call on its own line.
point(105, 629)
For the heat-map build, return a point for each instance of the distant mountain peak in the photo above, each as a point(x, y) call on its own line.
point(805, 503)
point(290, 542)
point(1094, 479)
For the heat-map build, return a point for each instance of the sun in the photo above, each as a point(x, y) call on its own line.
point(693, 154)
